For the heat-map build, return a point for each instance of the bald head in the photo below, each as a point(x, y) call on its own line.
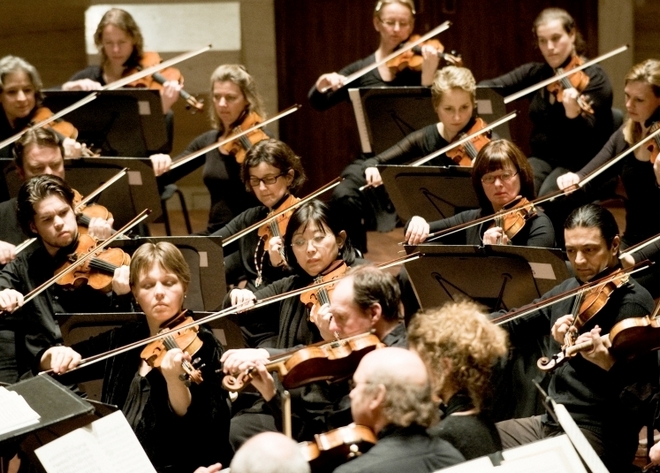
point(269, 452)
point(397, 364)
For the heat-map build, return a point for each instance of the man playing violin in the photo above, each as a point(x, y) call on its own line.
point(392, 395)
point(37, 152)
point(45, 211)
point(596, 387)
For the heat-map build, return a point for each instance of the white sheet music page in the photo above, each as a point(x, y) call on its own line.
point(15, 412)
point(106, 445)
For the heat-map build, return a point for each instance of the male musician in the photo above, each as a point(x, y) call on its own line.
point(269, 452)
point(595, 386)
point(45, 210)
point(392, 396)
point(367, 298)
point(37, 152)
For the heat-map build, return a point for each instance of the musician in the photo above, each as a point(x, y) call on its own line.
point(162, 410)
point(269, 452)
point(394, 20)
point(37, 152)
point(454, 100)
point(392, 395)
point(563, 135)
point(640, 178)
point(120, 43)
point(460, 347)
point(273, 173)
point(500, 174)
point(235, 96)
point(20, 98)
point(45, 211)
point(595, 386)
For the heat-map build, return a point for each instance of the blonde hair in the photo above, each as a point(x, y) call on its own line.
point(163, 253)
point(452, 77)
point(649, 72)
point(238, 75)
point(406, 3)
point(461, 333)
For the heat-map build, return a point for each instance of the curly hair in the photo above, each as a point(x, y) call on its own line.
point(278, 154)
point(461, 333)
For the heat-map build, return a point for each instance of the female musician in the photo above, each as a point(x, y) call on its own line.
point(564, 135)
point(461, 346)
point(162, 410)
point(234, 98)
point(20, 98)
point(500, 174)
point(454, 100)
point(273, 173)
point(394, 20)
point(119, 40)
point(640, 177)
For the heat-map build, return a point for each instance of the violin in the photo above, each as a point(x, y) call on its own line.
point(512, 222)
point(336, 447)
point(98, 271)
point(465, 154)
point(88, 212)
point(186, 339)
point(62, 127)
point(324, 361)
point(240, 146)
point(628, 338)
point(157, 79)
point(654, 145)
point(318, 297)
point(412, 59)
point(578, 81)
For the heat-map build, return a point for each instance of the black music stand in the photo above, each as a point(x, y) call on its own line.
point(386, 115)
point(497, 276)
point(432, 192)
point(124, 122)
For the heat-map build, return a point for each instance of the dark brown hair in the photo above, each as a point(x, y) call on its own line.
point(277, 154)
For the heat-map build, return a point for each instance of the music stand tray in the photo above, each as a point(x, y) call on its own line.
point(497, 276)
point(432, 192)
point(386, 115)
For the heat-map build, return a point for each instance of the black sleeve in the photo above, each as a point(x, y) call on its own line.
point(198, 143)
point(615, 145)
point(516, 80)
point(541, 232)
point(408, 149)
point(323, 101)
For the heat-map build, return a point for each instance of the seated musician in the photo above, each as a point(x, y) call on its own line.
point(273, 173)
point(45, 211)
point(269, 452)
point(392, 395)
point(37, 152)
point(500, 174)
point(162, 409)
point(592, 385)
point(454, 100)
point(460, 347)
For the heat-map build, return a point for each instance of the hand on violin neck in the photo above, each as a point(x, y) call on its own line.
point(561, 327)
point(495, 236)
point(599, 354)
point(276, 251)
point(177, 391)
point(242, 298)
point(430, 63)
point(322, 318)
point(169, 94)
point(100, 228)
point(10, 300)
point(235, 362)
point(121, 280)
point(572, 108)
point(60, 359)
point(262, 380)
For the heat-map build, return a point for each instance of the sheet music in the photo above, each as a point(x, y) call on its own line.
point(106, 445)
point(15, 412)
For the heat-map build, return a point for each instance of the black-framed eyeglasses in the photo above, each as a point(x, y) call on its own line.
point(268, 180)
point(504, 177)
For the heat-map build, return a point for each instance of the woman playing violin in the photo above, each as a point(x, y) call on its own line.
point(394, 20)
point(454, 100)
point(564, 135)
point(273, 173)
point(163, 411)
point(235, 97)
point(119, 40)
point(500, 175)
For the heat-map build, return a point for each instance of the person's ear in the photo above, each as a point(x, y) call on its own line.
point(341, 239)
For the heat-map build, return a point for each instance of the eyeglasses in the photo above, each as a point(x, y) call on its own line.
point(268, 180)
point(504, 177)
point(300, 243)
point(393, 23)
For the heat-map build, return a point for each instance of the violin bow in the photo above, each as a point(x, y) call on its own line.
point(504, 318)
point(465, 139)
point(112, 86)
point(83, 202)
point(641, 245)
point(218, 144)
point(225, 312)
point(236, 236)
point(357, 74)
point(89, 255)
point(555, 78)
